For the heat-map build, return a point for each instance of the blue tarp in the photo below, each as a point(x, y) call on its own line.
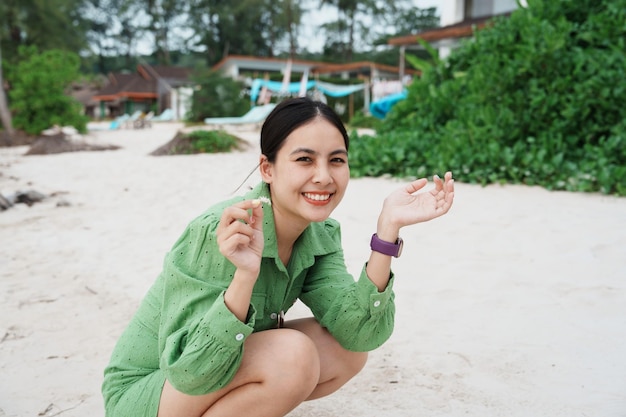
point(335, 90)
point(332, 90)
point(380, 108)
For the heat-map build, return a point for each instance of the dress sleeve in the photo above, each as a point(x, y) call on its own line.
point(358, 316)
point(200, 340)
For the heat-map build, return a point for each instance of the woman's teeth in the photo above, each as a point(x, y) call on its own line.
point(317, 197)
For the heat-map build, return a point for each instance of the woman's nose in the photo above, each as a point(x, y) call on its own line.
point(322, 174)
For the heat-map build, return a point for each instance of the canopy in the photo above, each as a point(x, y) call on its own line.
point(329, 89)
point(380, 108)
point(335, 90)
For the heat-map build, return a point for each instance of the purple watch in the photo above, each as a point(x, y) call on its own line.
point(387, 248)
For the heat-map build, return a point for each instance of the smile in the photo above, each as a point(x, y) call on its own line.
point(318, 198)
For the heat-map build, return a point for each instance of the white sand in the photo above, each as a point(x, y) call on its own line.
point(514, 304)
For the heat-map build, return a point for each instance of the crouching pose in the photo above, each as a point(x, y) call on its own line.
point(209, 337)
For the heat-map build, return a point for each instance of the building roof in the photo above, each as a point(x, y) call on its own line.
point(141, 84)
point(249, 63)
point(461, 29)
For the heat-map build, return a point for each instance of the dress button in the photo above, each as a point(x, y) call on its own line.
point(239, 337)
point(376, 303)
point(273, 316)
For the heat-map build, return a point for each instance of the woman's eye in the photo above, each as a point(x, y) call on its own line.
point(338, 161)
point(304, 159)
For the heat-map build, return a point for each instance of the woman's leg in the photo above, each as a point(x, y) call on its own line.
point(279, 370)
point(337, 365)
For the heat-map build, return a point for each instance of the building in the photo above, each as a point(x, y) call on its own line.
point(150, 89)
point(459, 19)
point(374, 80)
point(240, 67)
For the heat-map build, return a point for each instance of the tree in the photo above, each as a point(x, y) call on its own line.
point(5, 114)
point(43, 24)
point(341, 32)
point(368, 21)
point(247, 27)
point(217, 96)
point(409, 21)
point(39, 96)
point(114, 30)
point(165, 17)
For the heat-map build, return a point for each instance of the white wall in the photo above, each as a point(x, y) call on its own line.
point(503, 6)
point(452, 11)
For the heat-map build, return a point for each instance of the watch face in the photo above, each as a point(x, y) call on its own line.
point(400, 244)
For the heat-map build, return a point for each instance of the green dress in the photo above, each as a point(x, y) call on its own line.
point(183, 331)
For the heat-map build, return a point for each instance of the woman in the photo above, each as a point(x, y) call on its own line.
point(209, 340)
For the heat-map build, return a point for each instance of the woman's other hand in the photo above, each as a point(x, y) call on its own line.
point(240, 235)
point(406, 206)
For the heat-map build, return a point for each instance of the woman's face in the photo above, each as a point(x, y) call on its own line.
point(310, 174)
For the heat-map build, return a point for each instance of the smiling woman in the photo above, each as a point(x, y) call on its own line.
point(199, 343)
point(308, 175)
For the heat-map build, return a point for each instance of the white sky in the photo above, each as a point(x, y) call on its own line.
point(313, 41)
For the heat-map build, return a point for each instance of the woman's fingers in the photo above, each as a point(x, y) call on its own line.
point(448, 182)
point(416, 185)
point(257, 214)
point(240, 221)
point(230, 242)
point(247, 211)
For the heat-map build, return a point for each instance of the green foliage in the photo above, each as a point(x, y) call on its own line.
point(538, 99)
point(51, 24)
point(217, 96)
point(361, 120)
point(424, 64)
point(211, 141)
point(38, 94)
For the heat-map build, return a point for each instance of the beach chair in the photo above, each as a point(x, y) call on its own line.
point(166, 116)
point(145, 120)
point(118, 122)
point(256, 116)
point(130, 122)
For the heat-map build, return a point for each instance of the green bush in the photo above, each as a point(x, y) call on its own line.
point(361, 120)
point(538, 98)
point(217, 96)
point(38, 97)
point(212, 141)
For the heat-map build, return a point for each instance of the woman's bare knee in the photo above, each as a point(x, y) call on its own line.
point(337, 364)
point(295, 366)
point(279, 364)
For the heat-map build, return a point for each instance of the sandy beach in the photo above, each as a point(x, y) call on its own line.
point(514, 304)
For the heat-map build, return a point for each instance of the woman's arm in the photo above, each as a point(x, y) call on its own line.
point(358, 316)
point(240, 239)
point(207, 300)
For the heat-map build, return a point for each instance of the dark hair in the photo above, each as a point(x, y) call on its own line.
point(289, 115)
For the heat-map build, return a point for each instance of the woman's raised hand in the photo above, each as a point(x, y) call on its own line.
point(240, 235)
point(406, 206)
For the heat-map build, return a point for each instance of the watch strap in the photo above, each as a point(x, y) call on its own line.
point(386, 248)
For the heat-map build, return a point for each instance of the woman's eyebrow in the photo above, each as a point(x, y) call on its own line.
point(303, 150)
point(312, 152)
